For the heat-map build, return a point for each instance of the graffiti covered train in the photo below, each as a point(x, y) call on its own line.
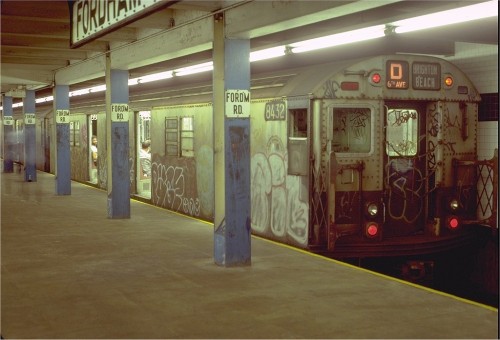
point(373, 157)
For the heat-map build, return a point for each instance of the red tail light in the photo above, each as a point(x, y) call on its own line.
point(372, 229)
point(453, 222)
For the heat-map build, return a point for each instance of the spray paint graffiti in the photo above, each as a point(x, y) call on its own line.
point(277, 206)
point(406, 184)
point(171, 187)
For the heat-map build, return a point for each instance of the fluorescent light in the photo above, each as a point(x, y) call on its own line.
point(98, 88)
point(155, 77)
point(44, 99)
point(79, 92)
point(203, 67)
point(267, 53)
point(20, 104)
point(452, 16)
point(339, 39)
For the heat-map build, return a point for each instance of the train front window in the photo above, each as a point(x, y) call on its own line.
point(402, 132)
point(351, 130)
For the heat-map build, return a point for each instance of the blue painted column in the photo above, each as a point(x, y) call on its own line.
point(232, 235)
point(117, 139)
point(29, 137)
point(63, 152)
point(8, 135)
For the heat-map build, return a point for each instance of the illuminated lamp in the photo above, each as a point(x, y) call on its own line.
point(448, 81)
point(453, 222)
point(372, 229)
point(376, 78)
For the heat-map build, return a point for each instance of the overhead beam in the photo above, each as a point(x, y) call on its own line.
point(41, 53)
point(259, 18)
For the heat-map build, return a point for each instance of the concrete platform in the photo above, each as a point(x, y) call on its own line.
point(70, 272)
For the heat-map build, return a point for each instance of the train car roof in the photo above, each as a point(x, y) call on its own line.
point(425, 80)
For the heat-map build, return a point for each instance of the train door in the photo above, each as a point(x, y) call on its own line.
point(143, 154)
point(93, 145)
point(404, 168)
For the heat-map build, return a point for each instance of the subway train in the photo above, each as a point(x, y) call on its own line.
point(368, 157)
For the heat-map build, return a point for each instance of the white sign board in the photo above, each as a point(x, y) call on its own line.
point(92, 19)
point(29, 118)
point(62, 116)
point(8, 120)
point(237, 103)
point(119, 112)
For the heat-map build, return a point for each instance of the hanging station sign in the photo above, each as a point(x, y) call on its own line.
point(91, 19)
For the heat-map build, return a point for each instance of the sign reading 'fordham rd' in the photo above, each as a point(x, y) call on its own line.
point(91, 19)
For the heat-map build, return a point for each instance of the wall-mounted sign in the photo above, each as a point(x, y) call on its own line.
point(29, 118)
point(119, 112)
point(237, 103)
point(91, 19)
point(62, 116)
point(8, 120)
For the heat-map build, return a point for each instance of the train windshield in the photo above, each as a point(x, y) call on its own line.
point(351, 130)
point(402, 132)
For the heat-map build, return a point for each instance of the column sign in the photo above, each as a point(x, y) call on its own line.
point(8, 120)
point(62, 116)
point(91, 19)
point(237, 103)
point(29, 118)
point(119, 112)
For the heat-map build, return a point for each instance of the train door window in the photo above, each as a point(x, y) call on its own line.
point(298, 162)
point(76, 133)
point(351, 127)
point(402, 132)
point(93, 146)
point(172, 136)
point(187, 136)
point(71, 133)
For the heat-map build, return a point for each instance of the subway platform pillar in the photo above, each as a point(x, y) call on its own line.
point(29, 136)
point(8, 135)
point(231, 115)
point(117, 142)
point(63, 153)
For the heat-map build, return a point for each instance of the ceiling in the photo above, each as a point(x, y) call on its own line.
point(35, 35)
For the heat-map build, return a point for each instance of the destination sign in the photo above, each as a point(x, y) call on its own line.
point(397, 75)
point(426, 76)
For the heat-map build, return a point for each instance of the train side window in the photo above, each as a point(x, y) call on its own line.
point(187, 136)
point(297, 123)
point(351, 130)
point(298, 163)
point(71, 133)
point(402, 132)
point(172, 136)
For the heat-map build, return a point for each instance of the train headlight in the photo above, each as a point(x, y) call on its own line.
point(454, 205)
point(372, 209)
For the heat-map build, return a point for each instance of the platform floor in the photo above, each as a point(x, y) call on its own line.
point(70, 272)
